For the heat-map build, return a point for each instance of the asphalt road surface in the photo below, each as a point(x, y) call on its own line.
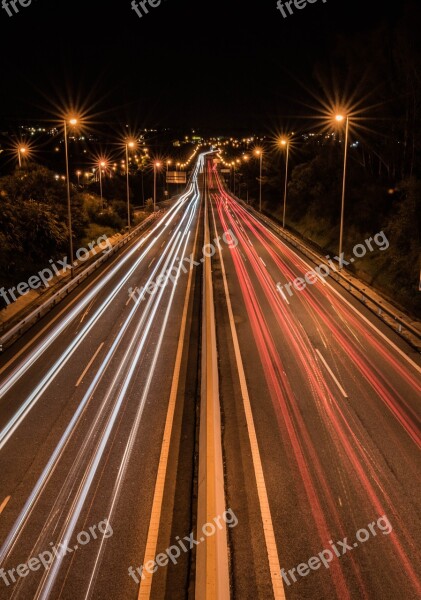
point(99, 406)
point(333, 400)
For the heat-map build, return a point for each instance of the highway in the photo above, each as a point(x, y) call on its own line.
point(84, 403)
point(99, 406)
point(321, 426)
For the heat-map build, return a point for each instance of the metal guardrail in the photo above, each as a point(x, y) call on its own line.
point(20, 328)
point(363, 295)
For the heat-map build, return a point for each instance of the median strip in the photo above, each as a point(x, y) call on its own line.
point(212, 573)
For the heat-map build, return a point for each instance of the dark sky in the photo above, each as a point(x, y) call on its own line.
point(218, 63)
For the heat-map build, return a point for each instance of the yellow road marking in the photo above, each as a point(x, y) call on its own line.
point(4, 504)
point(272, 552)
point(89, 365)
point(152, 540)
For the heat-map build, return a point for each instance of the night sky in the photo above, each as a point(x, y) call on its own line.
point(217, 64)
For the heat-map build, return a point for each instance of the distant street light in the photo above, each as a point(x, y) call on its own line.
point(78, 174)
point(21, 151)
point(102, 164)
point(169, 162)
point(73, 122)
point(129, 144)
point(285, 143)
point(156, 166)
point(259, 153)
point(340, 118)
point(233, 168)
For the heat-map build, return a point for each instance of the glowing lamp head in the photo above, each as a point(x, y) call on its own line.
point(103, 164)
point(339, 118)
point(73, 121)
point(22, 150)
point(131, 144)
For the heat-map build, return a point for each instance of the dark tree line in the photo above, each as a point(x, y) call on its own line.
point(380, 72)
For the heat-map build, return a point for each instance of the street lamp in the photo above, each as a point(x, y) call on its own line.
point(156, 166)
point(233, 168)
point(129, 144)
point(78, 174)
point(238, 162)
point(169, 162)
point(102, 164)
point(340, 118)
point(285, 143)
point(21, 150)
point(260, 154)
point(73, 122)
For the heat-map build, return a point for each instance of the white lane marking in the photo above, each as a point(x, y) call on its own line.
point(163, 244)
point(79, 381)
point(151, 263)
point(263, 262)
point(132, 296)
point(271, 549)
point(4, 504)
point(341, 389)
point(342, 297)
point(105, 277)
point(281, 291)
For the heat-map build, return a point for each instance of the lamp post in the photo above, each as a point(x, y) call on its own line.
point(102, 165)
point(285, 144)
point(233, 169)
point(169, 162)
point(72, 122)
point(21, 150)
point(340, 118)
point(238, 162)
point(155, 167)
point(78, 174)
point(260, 154)
point(129, 144)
